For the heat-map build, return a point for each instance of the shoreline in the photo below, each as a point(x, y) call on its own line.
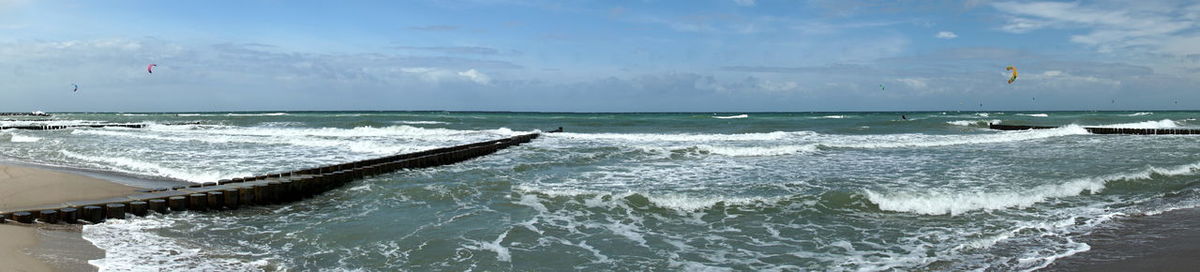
point(42, 247)
point(1169, 241)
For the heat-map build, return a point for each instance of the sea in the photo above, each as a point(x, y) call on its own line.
point(840, 191)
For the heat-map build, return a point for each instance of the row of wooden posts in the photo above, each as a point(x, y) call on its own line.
point(56, 127)
point(275, 188)
point(1105, 130)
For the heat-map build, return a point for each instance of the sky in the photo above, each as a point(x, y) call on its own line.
point(599, 56)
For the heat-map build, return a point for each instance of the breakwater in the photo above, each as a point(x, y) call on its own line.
point(36, 113)
point(266, 189)
point(53, 127)
point(1105, 130)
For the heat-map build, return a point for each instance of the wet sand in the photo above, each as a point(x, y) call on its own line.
point(1165, 242)
point(48, 247)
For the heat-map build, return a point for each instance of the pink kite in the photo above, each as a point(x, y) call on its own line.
point(148, 68)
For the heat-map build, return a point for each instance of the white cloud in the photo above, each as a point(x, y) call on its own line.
point(476, 76)
point(1148, 24)
point(915, 83)
point(946, 35)
point(439, 75)
point(745, 3)
point(1060, 79)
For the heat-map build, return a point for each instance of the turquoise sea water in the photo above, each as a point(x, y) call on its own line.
point(661, 191)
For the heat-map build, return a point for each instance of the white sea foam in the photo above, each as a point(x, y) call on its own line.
point(148, 168)
point(5, 123)
point(1034, 114)
point(190, 114)
point(502, 253)
point(954, 203)
point(684, 202)
point(674, 201)
point(18, 138)
point(967, 123)
point(832, 117)
point(257, 114)
point(131, 245)
point(921, 140)
point(739, 116)
point(1139, 114)
point(421, 122)
point(648, 137)
point(1164, 123)
point(755, 151)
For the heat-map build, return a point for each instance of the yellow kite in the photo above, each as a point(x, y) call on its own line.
point(1014, 74)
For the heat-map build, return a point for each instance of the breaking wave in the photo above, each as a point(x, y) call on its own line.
point(955, 203)
point(1164, 123)
point(970, 123)
point(739, 116)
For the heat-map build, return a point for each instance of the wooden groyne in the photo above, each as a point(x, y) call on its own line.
point(267, 189)
point(41, 114)
point(53, 127)
point(1103, 130)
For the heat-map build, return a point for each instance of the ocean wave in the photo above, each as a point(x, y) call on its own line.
point(6, 123)
point(1139, 114)
point(739, 116)
point(831, 117)
point(757, 151)
point(191, 114)
point(18, 138)
point(257, 114)
point(365, 131)
point(1164, 123)
point(352, 144)
point(969, 123)
point(955, 203)
point(921, 140)
point(132, 245)
point(421, 122)
point(673, 201)
point(648, 137)
point(135, 166)
point(1034, 114)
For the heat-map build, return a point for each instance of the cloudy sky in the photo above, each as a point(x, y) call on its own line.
point(575, 55)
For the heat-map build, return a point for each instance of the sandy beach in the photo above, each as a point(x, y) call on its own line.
point(25, 248)
point(1164, 242)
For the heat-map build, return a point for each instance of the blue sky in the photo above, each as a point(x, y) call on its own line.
point(532, 55)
